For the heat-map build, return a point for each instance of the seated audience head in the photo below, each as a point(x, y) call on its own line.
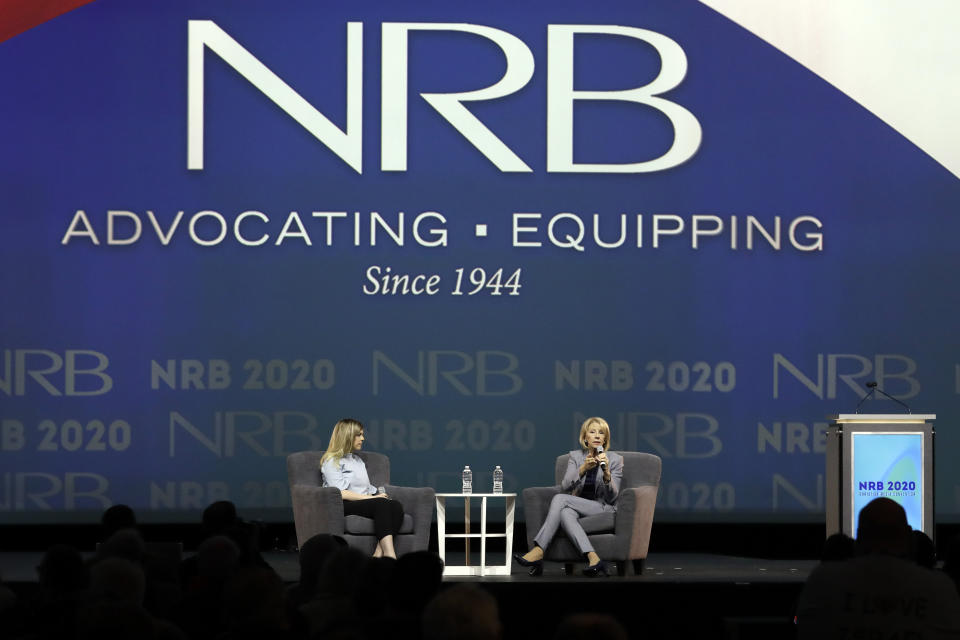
point(253, 602)
point(126, 543)
point(838, 547)
point(883, 529)
point(115, 518)
point(590, 626)
point(247, 537)
point(341, 572)
point(373, 588)
point(314, 553)
point(416, 579)
point(62, 570)
point(462, 612)
point(118, 579)
point(219, 517)
point(218, 557)
point(924, 551)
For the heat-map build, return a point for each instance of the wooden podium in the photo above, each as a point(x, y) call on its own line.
point(874, 455)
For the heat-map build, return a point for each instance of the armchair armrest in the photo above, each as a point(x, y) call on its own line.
point(417, 501)
point(536, 503)
point(316, 510)
point(635, 507)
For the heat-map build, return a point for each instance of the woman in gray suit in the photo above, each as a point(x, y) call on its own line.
point(590, 486)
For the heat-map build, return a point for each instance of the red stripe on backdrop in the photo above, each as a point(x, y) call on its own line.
point(16, 16)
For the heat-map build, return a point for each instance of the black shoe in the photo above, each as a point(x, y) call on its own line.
point(536, 566)
point(596, 570)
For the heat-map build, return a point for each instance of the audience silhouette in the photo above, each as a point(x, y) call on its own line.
point(63, 582)
point(226, 591)
point(462, 612)
point(882, 592)
point(590, 626)
point(838, 547)
point(116, 518)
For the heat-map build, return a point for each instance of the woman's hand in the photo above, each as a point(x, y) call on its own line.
point(606, 468)
point(592, 460)
point(589, 463)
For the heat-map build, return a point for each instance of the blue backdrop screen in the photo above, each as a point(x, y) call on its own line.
point(225, 225)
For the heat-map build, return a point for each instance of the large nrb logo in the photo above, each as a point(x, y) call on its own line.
point(346, 142)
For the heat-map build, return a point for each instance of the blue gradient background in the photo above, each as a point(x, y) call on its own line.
point(93, 117)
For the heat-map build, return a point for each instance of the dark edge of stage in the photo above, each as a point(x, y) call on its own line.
point(783, 540)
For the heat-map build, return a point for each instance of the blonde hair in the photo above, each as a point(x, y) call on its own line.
point(595, 422)
point(341, 440)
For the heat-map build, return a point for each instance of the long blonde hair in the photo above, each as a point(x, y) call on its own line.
point(341, 441)
point(597, 422)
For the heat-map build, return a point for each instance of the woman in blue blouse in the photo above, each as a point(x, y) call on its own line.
point(342, 469)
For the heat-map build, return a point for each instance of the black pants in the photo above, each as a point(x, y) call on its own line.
point(387, 514)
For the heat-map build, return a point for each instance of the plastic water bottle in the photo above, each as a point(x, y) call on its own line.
point(498, 480)
point(467, 480)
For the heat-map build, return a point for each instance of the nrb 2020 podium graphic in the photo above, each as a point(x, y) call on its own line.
point(225, 225)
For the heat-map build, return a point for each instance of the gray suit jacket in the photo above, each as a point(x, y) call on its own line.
point(606, 493)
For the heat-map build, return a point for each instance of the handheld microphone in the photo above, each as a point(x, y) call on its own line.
point(603, 465)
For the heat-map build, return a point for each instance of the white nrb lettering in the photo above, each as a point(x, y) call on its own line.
point(347, 143)
point(251, 228)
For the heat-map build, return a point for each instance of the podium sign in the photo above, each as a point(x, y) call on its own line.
point(879, 455)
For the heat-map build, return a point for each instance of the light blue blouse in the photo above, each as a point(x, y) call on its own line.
point(347, 474)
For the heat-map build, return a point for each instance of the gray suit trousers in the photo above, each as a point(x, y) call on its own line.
point(565, 510)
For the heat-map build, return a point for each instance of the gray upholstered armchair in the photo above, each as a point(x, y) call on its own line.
point(319, 509)
point(617, 537)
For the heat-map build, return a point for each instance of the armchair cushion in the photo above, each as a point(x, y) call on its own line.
point(600, 523)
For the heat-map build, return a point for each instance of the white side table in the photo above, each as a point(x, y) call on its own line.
point(442, 535)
